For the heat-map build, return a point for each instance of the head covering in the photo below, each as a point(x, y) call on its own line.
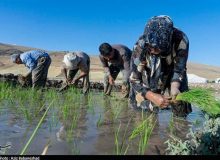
point(158, 32)
point(71, 60)
point(14, 57)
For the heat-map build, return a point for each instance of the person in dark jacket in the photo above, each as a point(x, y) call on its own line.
point(38, 63)
point(115, 58)
point(158, 63)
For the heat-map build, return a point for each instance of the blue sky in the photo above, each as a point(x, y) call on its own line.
point(84, 25)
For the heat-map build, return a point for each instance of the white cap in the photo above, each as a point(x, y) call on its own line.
point(71, 60)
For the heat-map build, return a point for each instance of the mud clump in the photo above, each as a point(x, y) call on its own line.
point(51, 83)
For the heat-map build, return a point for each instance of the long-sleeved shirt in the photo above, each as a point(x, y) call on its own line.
point(30, 58)
point(121, 58)
point(173, 66)
point(82, 62)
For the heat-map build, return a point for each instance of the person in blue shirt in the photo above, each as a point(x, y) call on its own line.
point(37, 62)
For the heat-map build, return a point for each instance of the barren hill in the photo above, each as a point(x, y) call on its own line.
point(206, 71)
point(8, 49)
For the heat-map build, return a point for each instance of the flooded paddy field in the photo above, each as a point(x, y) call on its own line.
point(77, 124)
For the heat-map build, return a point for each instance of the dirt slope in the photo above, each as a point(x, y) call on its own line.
point(206, 71)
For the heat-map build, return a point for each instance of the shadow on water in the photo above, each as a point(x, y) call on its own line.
point(88, 125)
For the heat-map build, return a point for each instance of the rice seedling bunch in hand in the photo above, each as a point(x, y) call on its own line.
point(202, 98)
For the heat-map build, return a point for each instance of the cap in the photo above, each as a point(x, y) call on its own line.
point(71, 60)
point(14, 57)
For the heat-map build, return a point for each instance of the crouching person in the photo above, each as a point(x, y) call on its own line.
point(73, 62)
point(158, 64)
point(38, 63)
point(115, 58)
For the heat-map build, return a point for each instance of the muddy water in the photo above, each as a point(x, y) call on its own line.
point(94, 132)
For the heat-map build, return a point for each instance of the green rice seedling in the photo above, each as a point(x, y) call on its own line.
point(137, 131)
point(29, 103)
point(73, 126)
point(26, 114)
point(70, 113)
point(93, 100)
point(74, 148)
point(143, 130)
point(145, 138)
point(202, 98)
point(51, 94)
point(116, 110)
point(53, 119)
point(171, 124)
point(65, 111)
point(5, 91)
point(91, 103)
point(99, 121)
point(121, 148)
point(36, 129)
point(117, 140)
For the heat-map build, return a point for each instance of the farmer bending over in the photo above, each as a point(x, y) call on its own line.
point(38, 63)
point(158, 63)
point(72, 63)
point(115, 58)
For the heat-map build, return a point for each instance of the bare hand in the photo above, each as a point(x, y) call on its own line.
point(159, 100)
point(74, 81)
point(20, 76)
point(68, 80)
point(111, 80)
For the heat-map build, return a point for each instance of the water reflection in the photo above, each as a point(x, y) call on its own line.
point(73, 127)
point(91, 124)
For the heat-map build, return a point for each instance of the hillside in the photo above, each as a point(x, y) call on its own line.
point(206, 71)
point(8, 49)
point(203, 70)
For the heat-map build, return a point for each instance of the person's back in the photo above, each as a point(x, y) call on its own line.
point(122, 55)
point(83, 55)
point(30, 58)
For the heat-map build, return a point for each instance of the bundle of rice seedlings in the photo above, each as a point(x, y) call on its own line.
point(202, 98)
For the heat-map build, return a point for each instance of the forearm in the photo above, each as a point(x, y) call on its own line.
point(64, 71)
point(157, 99)
point(82, 74)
